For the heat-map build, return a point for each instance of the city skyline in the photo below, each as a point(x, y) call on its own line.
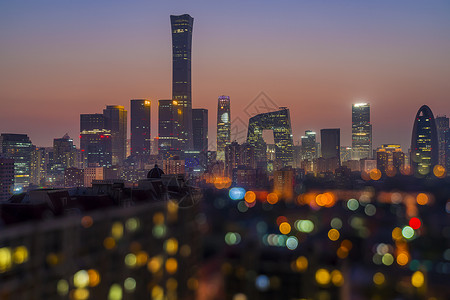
point(391, 83)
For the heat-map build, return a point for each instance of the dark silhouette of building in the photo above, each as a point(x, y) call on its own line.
point(200, 129)
point(331, 142)
point(181, 76)
point(223, 125)
point(19, 148)
point(167, 133)
point(361, 131)
point(6, 178)
point(424, 143)
point(278, 121)
point(95, 141)
point(140, 127)
point(116, 122)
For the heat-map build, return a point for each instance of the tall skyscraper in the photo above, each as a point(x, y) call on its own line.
point(424, 143)
point(95, 141)
point(442, 124)
point(140, 127)
point(361, 131)
point(280, 122)
point(331, 143)
point(181, 76)
point(223, 125)
point(200, 129)
point(39, 166)
point(19, 148)
point(167, 137)
point(64, 152)
point(309, 146)
point(116, 122)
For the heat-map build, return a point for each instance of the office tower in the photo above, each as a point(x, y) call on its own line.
point(95, 141)
point(361, 131)
point(39, 166)
point(331, 140)
point(280, 123)
point(116, 122)
point(174, 165)
point(309, 146)
point(442, 124)
point(6, 178)
point(181, 76)
point(283, 183)
point(398, 159)
point(223, 125)
point(167, 134)
point(424, 143)
point(346, 153)
point(200, 129)
point(93, 173)
point(232, 158)
point(64, 152)
point(382, 160)
point(140, 128)
point(19, 148)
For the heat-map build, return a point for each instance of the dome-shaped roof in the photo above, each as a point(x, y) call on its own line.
point(155, 172)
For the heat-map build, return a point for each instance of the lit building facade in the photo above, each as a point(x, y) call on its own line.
point(442, 124)
point(116, 122)
point(280, 123)
point(73, 177)
point(223, 125)
point(424, 143)
point(140, 127)
point(200, 129)
point(6, 178)
point(19, 148)
point(167, 127)
point(361, 131)
point(309, 146)
point(181, 76)
point(39, 166)
point(95, 141)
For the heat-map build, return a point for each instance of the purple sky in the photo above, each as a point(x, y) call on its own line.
point(62, 58)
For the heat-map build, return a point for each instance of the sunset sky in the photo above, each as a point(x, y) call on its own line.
point(59, 59)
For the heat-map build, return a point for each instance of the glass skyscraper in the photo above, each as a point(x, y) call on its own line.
point(181, 77)
point(424, 143)
point(95, 141)
point(223, 126)
point(200, 129)
point(19, 148)
point(116, 121)
point(140, 127)
point(361, 131)
point(442, 124)
point(167, 136)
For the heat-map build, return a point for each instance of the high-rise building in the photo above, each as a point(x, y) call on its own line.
point(6, 178)
point(140, 128)
point(39, 166)
point(223, 125)
point(116, 122)
point(331, 143)
point(442, 124)
point(181, 76)
point(167, 134)
point(200, 129)
point(280, 123)
point(19, 148)
point(424, 143)
point(361, 131)
point(64, 153)
point(93, 173)
point(95, 141)
point(73, 177)
point(309, 146)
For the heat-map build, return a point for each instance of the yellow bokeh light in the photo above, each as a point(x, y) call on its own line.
point(5, 259)
point(375, 174)
point(94, 277)
point(342, 252)
point(171, 284)
point(81, 279)
point(250, 197)
point(323, 277)
point(117, 230)
point(158, 218)
point(171, 265)
point(422, 199)
point(333, 234)
point(439, 171)
point(109, 243)
point(347, 245)
point(141, 258)
point(378, 278)
point(20, 255)
point(397, 234)
point(157, 293)
point(171, 246)
point(52, 259)
point(130, 260)
point(301, 263)
point(285, 228)
point(154, 264)
point(80, 294)
point(336, 278)
point(272, 198)
point(417, 279)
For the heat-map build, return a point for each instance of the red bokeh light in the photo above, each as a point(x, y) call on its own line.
point(415, 223)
